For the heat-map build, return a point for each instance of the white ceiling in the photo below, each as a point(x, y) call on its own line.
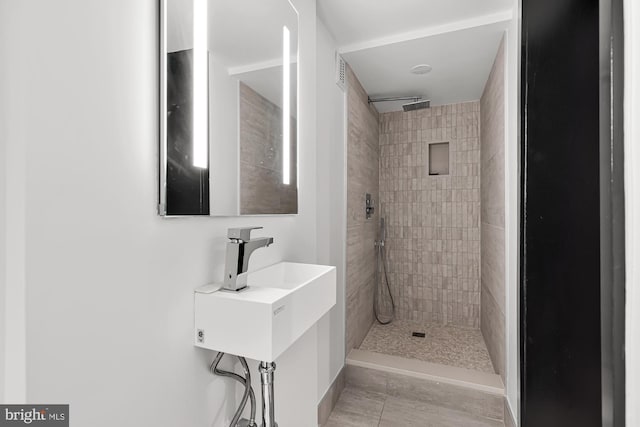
point(461, 64)
point(382, 40)
point(247, 33)
point(356, 21)
point(268, 83)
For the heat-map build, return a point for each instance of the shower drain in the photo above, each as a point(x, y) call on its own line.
point(418, 334)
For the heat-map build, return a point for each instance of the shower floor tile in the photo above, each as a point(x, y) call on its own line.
point(446, 345)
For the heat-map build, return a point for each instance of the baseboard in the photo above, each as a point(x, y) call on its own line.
point(328, 401)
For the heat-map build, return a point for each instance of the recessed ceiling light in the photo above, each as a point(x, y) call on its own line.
point(421, 69)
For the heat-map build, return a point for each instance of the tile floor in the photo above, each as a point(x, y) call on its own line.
point(361, 408)
point(447, 345)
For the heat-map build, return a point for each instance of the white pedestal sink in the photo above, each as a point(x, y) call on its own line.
point(260, 322)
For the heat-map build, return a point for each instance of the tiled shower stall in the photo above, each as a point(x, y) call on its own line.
point(433, 221)
point(444, 226)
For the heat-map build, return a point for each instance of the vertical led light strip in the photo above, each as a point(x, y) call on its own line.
point(200, 87)
point(286, 108)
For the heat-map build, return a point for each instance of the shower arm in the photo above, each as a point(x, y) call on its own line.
point(394, 98)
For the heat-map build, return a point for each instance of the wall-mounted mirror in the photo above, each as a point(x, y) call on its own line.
point(228, 90)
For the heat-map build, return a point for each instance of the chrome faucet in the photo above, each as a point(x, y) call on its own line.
point(239, 248)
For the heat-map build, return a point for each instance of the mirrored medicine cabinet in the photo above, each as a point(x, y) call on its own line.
point(228, 107)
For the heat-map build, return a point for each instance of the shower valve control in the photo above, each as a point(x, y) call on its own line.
point(368, 206)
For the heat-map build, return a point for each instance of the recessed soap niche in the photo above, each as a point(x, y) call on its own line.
point(439, 158)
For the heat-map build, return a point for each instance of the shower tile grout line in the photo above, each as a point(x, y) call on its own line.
point(386, 397)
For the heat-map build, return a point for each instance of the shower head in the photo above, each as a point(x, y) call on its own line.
point(417, 105)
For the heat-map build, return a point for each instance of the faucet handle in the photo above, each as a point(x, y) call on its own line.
point(241, 233)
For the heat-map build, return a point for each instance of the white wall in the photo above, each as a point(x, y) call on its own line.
point(2, 272)
point(108, 283)
point(512, 230)
point(224, 180)
point(179, 18)
point(3, 167)
point(12, 254)
point(331, 192)
point(632, 206)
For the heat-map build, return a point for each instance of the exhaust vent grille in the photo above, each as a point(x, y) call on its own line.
point(341, 72)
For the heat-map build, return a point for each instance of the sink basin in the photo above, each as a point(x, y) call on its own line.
point(280, 303)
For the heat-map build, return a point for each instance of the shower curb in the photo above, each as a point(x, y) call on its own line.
point(475, 393)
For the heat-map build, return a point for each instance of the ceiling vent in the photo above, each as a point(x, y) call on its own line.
point(341, 72)
point(421, 69)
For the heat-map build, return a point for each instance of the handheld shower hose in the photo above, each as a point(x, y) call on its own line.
point(381, 260)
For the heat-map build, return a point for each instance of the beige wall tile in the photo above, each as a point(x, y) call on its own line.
point(367, 379)
point(492, 189)
point(492, 108)
point(262, 190)
point(362, 177)
point(492, 328)
point(492, 260)
point(433, 221)
point(492, 215)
